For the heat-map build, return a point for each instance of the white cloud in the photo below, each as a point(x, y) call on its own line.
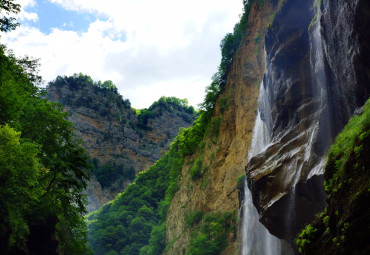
point(31, 16)
point(26, 3)
point(24, 15)
point(169, 45)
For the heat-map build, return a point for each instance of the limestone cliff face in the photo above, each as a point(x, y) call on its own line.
point(225, 155)
point(113, 135)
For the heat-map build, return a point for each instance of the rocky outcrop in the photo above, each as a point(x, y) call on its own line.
point(225, 155)
point(120, 143)
point(316, 77)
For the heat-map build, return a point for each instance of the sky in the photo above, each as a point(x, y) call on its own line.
point(147, 48)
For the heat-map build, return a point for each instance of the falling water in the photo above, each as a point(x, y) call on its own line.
point(319, 76)
point(256, 240)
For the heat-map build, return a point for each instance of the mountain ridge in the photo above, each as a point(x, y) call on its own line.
point(120, 140)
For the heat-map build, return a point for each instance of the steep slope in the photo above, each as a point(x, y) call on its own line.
point(120, 142)
point(315, 79)
point(305, 100)
point(225, 150)
point(198, 214)
point(343, 228)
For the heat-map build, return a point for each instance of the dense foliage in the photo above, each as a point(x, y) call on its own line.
point(165, 104)
point(43, 167)
point(134, 222)
point(343, 227)
point(106, 91)
point(210, 237)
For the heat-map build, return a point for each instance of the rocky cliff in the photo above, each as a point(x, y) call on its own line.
point(316, 76)
point(312, 77)
point(120, 142)
point(225, 151)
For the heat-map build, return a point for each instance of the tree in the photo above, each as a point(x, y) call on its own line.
point(8, 7)
point(51, 198)
point(19, 174)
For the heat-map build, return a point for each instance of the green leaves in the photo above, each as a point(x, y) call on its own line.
point(211, 236)
point(141, 210)
point(20, 190)
point(43, 167)
point(8, 7)
point(356, 130)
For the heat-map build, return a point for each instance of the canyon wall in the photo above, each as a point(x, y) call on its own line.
point(316, 77)
point(313, 76)
point(224, 154)
point(112, 135)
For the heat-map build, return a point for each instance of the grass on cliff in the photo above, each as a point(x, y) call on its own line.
point(343, 226)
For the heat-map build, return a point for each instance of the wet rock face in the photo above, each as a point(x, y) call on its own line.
point(291, 114)
point(345, 33)
point(315, 79)
point(111, 135)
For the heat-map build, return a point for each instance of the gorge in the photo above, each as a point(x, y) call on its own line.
point(288, 59)
point(274, 161)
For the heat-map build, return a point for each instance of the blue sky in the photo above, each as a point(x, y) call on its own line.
point(147, 48)
point(51, 15)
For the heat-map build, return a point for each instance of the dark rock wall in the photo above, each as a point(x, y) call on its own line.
point(345, 33)
point(317, 74)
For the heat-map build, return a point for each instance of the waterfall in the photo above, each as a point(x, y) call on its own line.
point(305, 100)
point(256, 239)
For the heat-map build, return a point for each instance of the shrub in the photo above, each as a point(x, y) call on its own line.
point(305, 237)
point(211, 236)
point(196, 170)
point(194, 217)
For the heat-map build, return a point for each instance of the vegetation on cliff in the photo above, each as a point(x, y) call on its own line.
point(119, 135)
point(106, 91)
point(210, 236)
point(165, 104)
point(134, 223)
point(343, 228)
